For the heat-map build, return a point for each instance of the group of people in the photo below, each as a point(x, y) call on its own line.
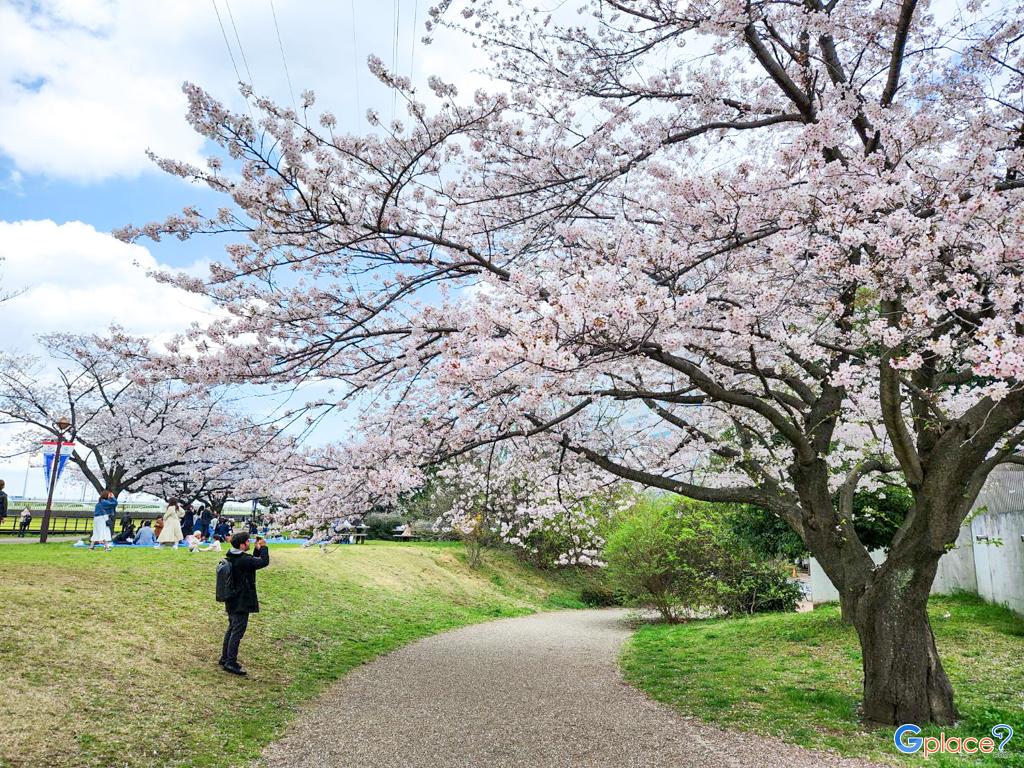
point(199, 528)
point(204, 532)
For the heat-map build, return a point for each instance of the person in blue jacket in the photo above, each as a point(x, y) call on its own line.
point(105, 509)
point(146, 537)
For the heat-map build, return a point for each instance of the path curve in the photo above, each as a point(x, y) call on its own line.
point(543, 691)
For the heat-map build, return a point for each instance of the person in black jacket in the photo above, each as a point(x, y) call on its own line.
point(188, 522)
point(244, 599)
point(222, 531)
point(3, 503)
point(205, 516)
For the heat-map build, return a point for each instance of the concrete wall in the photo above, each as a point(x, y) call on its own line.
point(988, 558)
point(822, 589)
point(956, 567)
point(1000, 566)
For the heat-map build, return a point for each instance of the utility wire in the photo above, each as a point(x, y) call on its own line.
point(394, 57)
point(231, 56)
point(355, 65)
point(284, 60)
point(238, 39)
point(412, 52)
point(226, 43)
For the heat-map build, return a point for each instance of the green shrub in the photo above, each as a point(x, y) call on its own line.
point(877, 515)
point(666, 555)
point(426, 530)
point(381, 525)
point(764, 532)
point(683, 559)
point(599, 596)
point(758, 586)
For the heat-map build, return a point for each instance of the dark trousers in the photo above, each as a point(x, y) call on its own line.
point(238, 621)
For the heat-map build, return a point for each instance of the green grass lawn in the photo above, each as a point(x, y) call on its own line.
point(798, 676)
point(109, 659)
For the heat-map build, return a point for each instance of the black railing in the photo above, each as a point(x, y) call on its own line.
point(65, 522)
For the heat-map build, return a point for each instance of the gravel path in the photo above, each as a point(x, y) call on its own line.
point(542, 691)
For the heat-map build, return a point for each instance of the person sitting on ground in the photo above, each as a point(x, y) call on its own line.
point(193, 541)
point(146, 537)
point(223, 530)
point(127, 534)
point(212, 545)
point(25, 521)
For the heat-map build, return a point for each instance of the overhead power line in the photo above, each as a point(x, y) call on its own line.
point(412, 52)
point(284, 59)
point(238, 39)
point(226, 43)
point(355, 65)
point(394, 57)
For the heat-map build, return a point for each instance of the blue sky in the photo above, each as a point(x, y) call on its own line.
point(87, 86)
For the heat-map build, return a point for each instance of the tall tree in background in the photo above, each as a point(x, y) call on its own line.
point(747, 252)
point(131, 433)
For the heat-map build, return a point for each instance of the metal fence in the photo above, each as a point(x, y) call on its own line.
point(70, 520)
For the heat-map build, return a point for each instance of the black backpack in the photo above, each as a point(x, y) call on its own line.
point(225, 581)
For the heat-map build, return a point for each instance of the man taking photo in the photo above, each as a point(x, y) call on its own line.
point(241, 599)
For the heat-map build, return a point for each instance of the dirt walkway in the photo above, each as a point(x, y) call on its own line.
point(535, 692)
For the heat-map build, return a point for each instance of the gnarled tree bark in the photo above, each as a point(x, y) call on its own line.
point(904, 681)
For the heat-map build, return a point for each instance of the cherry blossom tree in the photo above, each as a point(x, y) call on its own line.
point(552, 511)
point(132, 433)
point(236, 460)
point(763, 252)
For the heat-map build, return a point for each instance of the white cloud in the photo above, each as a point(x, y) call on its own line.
point(75, 102)
point(86, 86)
point(77, 279)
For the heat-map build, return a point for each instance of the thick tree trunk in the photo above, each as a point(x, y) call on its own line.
point(904, 681)
point(847, 606)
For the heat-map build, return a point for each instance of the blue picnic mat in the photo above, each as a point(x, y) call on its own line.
point(84, 544)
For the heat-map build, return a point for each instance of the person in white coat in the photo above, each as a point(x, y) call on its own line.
point(171, 533)
point(105, 507)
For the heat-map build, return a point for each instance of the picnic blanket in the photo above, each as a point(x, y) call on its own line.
point(83, 544)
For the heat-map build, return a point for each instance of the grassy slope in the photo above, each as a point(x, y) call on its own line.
point(108, 659)
point(798, 676)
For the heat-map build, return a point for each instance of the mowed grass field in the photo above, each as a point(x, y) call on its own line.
point(798, 676)
point(109, 659)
